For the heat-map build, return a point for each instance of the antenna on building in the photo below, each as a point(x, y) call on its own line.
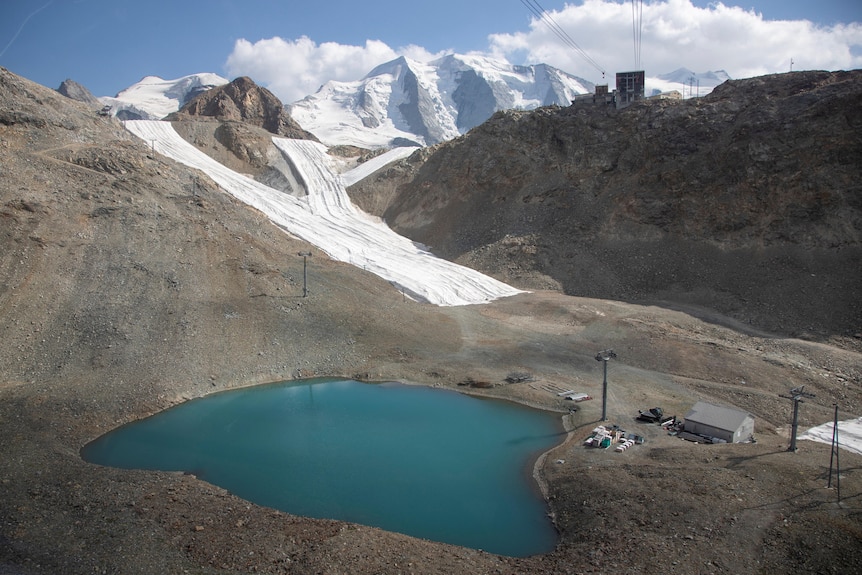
point(796, 394)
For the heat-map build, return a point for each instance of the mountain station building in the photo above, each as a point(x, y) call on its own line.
point(722, 423)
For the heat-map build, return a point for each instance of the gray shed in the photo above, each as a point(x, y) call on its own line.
point(730, 425)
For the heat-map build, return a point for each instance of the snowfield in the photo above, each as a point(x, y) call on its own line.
point(154, 98)
point(405, 99)
point(367, 168)
point(326, 218)
point(849, 434)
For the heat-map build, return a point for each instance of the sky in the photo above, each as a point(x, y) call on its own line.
point(294, 47)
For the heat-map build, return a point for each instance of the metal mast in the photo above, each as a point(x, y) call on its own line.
point(605, 356)
point(796, 394)
point(834, 457)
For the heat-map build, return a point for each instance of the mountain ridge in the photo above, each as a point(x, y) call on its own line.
point(740, 201)
point(403, 101)
point(241, 100)
point(429, 102)
point(153, 98)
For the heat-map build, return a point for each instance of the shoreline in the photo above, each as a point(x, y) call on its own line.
point(535, 463)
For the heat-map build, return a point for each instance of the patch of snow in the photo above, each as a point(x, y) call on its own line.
point(849, 434)
point(367, 168)
point(326, 218)
point(335, 117)
point(154, 98)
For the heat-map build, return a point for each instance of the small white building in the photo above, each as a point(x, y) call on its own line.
point(725, 423)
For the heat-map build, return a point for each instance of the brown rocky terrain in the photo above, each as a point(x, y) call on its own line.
point(75, 91)
point(130, 284)
point(746, 201)
point(241, 100)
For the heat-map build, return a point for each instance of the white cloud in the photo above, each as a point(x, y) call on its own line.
point(293, 69)
point(678, 34)
point(675, 34)
point(420, 54)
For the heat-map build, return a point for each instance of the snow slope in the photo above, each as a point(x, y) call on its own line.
point(367, 168)
point(427, 103)
point(154, 98)
point(326, 218)
point(849, 434)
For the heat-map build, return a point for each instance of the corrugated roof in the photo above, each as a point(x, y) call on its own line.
point(717, 416)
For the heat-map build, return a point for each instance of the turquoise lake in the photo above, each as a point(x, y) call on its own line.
point(430, 463)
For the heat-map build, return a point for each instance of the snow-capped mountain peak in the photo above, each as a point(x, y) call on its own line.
point(686, 76)
point(154, 98)
point(405, 102)
point(408, 101)
point(686, 82)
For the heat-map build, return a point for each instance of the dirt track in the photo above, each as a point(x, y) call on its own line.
point(668, 504)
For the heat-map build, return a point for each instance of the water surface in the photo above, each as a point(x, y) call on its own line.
point(427, 462)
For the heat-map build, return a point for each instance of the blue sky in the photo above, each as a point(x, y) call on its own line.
point(293, 47)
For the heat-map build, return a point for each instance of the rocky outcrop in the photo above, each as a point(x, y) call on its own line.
point(234, 124)
point(75, 91)
point(244, 101)
point(746, 201)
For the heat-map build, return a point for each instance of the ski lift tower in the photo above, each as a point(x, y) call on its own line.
point(305, 256)
point(605, 356)
point(630, 85)
point(796, 395)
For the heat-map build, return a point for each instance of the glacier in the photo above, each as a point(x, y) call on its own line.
point(326, 218)
point(427, 103)
point(154, 98)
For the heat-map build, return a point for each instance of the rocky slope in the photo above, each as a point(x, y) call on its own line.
point(128, 284)
point(75, 91)
point(244, 101)
point(747, 202)
point(235, 123)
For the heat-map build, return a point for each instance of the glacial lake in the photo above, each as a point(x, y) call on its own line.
point(430, 463)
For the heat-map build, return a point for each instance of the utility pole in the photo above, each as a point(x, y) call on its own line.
point(605, 356)
point(305, 256)
point(796, 394)
point(834, 457)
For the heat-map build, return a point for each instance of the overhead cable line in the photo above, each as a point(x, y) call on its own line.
point(637, 29)
point(543, 15)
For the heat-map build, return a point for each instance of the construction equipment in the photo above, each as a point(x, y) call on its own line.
point(653, 415)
